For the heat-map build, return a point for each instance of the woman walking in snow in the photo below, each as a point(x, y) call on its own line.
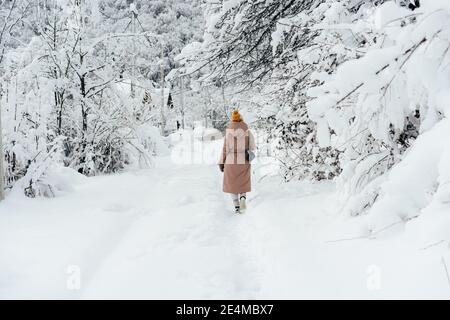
point(237, 153)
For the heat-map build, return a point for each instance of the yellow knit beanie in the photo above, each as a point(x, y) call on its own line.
point(236, 116)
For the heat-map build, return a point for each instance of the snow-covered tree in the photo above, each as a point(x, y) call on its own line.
point(70, 93)
point(378, 104)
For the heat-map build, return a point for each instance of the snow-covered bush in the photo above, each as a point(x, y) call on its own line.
point(30, 146)
point(376, 106)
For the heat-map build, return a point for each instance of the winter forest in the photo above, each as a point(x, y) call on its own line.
point(112, 120)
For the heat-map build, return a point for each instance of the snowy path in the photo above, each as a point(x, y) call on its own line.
point(186, 243)
point(162, 233)
point(169, 232)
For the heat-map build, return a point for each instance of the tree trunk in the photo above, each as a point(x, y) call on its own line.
point(84, 115)
point(2, 171)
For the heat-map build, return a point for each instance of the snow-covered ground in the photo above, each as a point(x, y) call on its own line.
point(169, 232)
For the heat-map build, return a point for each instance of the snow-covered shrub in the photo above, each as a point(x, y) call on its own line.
point(376, 105)
point(29, 145)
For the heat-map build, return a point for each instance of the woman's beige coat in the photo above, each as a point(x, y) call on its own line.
point(237, 172)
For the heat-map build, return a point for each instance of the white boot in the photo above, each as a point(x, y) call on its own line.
point(242, 203)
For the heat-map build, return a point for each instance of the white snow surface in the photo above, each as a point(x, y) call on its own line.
point(169, 232)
